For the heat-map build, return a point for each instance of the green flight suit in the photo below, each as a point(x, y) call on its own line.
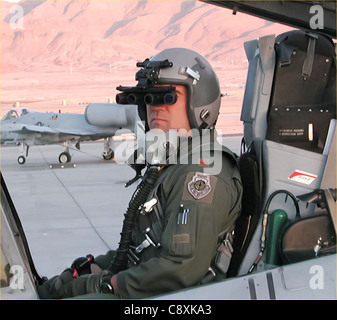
point(193, 209)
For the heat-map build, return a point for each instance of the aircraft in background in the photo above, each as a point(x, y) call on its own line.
point(26, 127)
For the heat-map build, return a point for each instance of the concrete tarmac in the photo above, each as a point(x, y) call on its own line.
point(71, 211)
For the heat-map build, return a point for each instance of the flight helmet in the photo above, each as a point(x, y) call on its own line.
point(181, 66)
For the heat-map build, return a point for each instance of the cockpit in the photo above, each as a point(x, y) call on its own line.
point(16, 113)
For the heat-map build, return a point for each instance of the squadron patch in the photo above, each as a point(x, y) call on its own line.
point(200, 186)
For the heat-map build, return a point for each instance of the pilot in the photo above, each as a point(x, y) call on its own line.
point(177, 235)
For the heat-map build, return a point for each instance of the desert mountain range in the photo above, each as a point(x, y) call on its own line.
point(93, 34)
point(71, 49)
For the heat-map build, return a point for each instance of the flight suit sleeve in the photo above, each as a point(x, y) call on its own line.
point(198, 208)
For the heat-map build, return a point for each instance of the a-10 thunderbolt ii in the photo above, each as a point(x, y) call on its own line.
point(26, 127)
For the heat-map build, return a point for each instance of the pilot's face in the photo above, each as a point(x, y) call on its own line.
point(173, 116)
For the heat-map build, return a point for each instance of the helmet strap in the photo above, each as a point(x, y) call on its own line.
point(204, 114)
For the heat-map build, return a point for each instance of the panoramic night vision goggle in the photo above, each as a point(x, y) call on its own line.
point(145, 91)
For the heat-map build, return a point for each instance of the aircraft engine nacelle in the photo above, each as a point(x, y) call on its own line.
point(110, 115)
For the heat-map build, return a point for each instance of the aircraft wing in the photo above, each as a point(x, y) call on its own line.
point(30, 129)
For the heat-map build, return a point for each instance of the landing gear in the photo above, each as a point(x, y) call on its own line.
point(24, 150)
point(108, 153)
point(65, 156)
point(21, 159)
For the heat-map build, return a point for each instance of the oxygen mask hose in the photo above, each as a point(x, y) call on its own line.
point(265, 220)
point(140, 196)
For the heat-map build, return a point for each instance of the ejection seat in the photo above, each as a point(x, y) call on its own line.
point(289, 116)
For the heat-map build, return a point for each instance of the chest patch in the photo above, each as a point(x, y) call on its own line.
point(200, 186)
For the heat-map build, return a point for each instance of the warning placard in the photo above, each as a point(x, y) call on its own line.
point(302, 177)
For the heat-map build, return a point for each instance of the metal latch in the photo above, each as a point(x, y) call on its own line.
point(147, 242)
